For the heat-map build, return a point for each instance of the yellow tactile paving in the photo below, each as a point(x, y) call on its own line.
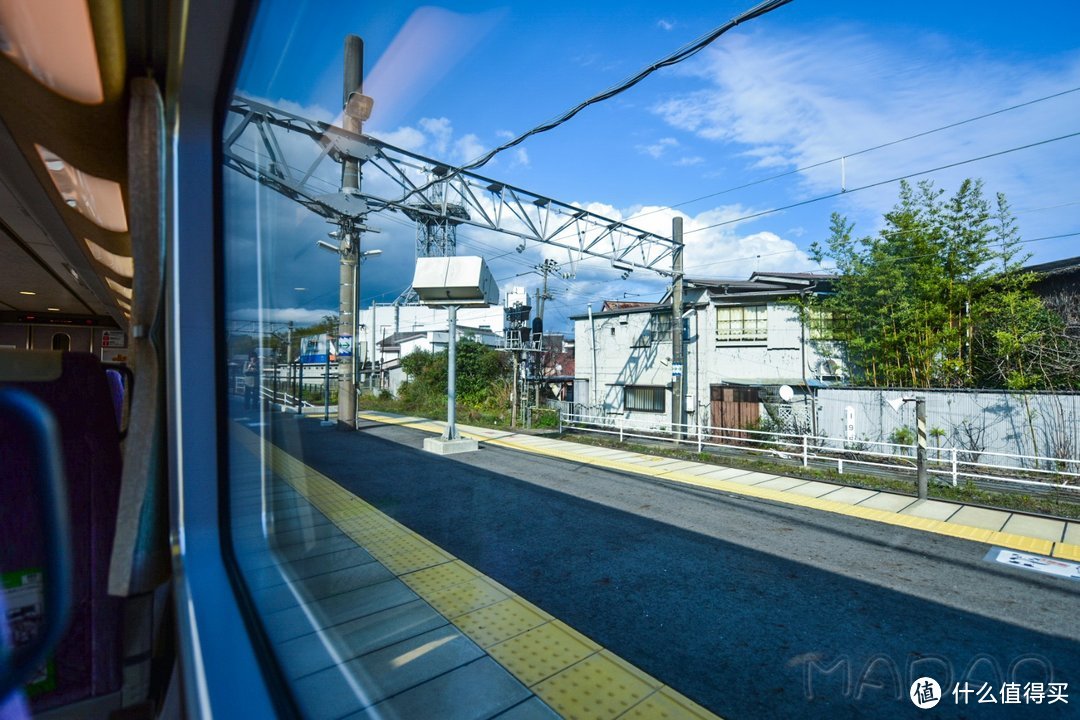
point(487, 612)
point(666, 704)
point(1021, 542)
point(541, 652)
point(439, 577)
point(598, 687)
point(1067, 551)
point(413, 560)
point(503, 620)
point(465, 597)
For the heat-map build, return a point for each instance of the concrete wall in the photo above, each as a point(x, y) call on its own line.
point(776, 360)
point(990, 420)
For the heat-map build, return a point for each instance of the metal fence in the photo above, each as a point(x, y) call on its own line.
point(950, 465)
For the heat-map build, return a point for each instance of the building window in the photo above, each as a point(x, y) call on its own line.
point(643, 399)
point(741, 323)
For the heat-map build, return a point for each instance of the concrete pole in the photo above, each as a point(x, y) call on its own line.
point(678, 394)
point(371, 348)
point(514, 393)
point(546, 267)
point(451, 378)
point(350, 242)
point(920, 448)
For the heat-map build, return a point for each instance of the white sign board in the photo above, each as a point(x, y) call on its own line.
point(1038, 563)
point(114, 355)
point(113, 339)
point(344, 346)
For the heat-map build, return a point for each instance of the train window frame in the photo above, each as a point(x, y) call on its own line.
point(220, 655)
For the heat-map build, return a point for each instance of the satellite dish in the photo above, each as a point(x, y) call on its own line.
point(786, 393)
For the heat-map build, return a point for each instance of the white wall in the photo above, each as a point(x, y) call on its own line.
point(618, 363)
point(707, 362)
point(420, 318)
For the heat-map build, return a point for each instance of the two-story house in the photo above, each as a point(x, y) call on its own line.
point(746, 342)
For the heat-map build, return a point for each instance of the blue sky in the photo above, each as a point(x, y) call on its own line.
point(807, 83)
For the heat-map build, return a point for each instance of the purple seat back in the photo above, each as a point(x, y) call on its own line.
point(116, 390)
point(87, 660)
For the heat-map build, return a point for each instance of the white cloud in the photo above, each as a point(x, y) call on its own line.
point(689, 161)
point(665, 25)
point(784, 102)
point(439, 132)
point(299, 316)
point(521, 157)
point(406, 138)
point(467, 148)
point(657, 149)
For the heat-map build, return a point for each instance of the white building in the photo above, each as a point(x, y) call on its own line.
point(393, 349)
point(381, 321)
point(743, 342)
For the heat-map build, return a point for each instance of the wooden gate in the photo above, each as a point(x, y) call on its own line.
point(734, 406)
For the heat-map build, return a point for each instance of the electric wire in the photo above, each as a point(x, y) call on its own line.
point(879, 183)
point(683, 53)
point(856, 153)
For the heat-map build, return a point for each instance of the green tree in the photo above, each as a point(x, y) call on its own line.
point(482, 375)
point(937, 297)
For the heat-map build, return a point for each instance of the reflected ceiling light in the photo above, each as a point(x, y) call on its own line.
point(27, 292)
point(122, 265)
point(53, 42)
point(100, 200)
point(124, 305)
point(53, 309)
point(118, 288)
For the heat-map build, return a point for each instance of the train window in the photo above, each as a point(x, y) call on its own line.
point(394, 562)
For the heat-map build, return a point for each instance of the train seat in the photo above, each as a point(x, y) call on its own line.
point(73, 386)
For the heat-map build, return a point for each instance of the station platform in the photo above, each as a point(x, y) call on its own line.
point(1052, 537)
point(379, 600)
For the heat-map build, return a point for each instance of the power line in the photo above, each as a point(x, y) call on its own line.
point(863, 151)
point(883, 182)
point(898, 232)
point(683, 53)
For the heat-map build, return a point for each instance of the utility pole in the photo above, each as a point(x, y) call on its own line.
point(545, 268)
point(354, 114)
point(678, 395)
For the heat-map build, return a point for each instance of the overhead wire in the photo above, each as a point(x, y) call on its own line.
point(856, 153)
point(879, 183)
point(683, 53)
